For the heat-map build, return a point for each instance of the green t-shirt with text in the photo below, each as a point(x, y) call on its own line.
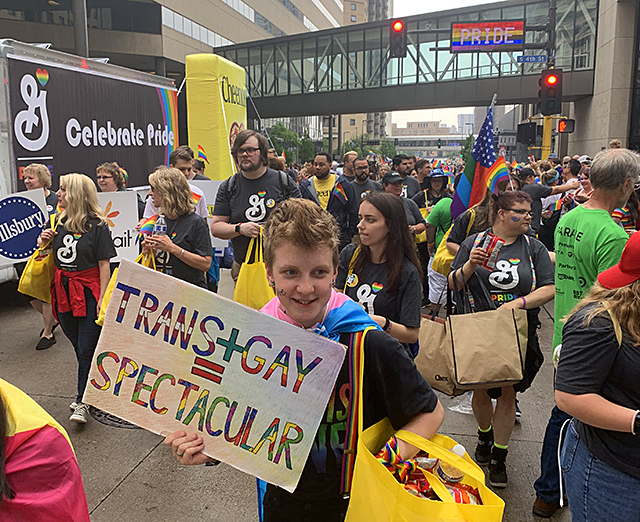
point(440, 217)
point(587, 242)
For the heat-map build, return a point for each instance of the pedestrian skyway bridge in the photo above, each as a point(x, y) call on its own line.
point(348, 69)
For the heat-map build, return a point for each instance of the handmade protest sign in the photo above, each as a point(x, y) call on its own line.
point(173, 356)
point(22, 217)
point(121, 210)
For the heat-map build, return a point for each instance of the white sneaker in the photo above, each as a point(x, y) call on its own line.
point(80, 414)
point(73, 406)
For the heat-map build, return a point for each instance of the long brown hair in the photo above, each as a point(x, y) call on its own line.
point(400, 244)
point(622, 303)
point(5, 489)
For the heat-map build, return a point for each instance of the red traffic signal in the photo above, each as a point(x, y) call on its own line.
point(397, 39)
point(550, 94)
point(552, 79)
point(566, 126)
point(398, 26)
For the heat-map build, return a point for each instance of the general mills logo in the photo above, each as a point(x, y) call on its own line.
point(21, 222)
point(34, 118)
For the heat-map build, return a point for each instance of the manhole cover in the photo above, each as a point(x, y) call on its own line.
point(110, 420)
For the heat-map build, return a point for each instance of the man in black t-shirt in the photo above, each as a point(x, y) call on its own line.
point(363, 184)
point(246, 199)
point(402, 165)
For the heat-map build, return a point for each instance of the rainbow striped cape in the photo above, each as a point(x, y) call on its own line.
point(40, 465)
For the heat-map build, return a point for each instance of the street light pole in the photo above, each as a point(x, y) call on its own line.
point(344, 142)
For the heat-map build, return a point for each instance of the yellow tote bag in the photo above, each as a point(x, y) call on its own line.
point(252, 287)
point(40, 270)
point(442, 258)
point(422, 236)
point(145, 260)
point(377, 495)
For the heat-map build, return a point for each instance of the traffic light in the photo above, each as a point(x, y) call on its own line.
point(527, 133)
point(439, 143)
point(397, 39)
point(566, 126)
point(550, 93)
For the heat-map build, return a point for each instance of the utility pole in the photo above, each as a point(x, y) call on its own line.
point(80, 34)
point(551, 60)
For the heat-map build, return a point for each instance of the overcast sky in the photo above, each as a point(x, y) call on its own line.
point(413, 7)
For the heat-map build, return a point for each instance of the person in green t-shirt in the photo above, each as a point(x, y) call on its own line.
point(438, 222)
point(587, 242)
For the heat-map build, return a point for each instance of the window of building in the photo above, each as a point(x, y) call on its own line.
point(353, 7)
point(353, 18)
point(352, 122)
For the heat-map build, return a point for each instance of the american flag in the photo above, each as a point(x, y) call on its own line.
point(484, 151)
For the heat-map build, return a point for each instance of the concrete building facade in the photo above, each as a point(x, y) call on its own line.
point(420, 128)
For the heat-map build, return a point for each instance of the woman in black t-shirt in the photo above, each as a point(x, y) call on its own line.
point(37, 176)
point(185, 252)
point(597, 384)
point(301, 254)
point(523, 278)
point(383, 274)
point(82, 247)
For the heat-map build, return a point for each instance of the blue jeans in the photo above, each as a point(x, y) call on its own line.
point(596, 491)
point(83, 332)
point(548, 484)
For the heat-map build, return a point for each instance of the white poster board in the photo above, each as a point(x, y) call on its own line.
point(210, 189)
point(121, 211)
point(173, 356)
point(23, 215)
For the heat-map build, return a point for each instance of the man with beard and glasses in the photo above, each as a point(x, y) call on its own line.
point(245, 200)
point(335, 194)
point(363, 184)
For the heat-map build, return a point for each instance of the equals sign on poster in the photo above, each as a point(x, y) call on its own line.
point(206, 374)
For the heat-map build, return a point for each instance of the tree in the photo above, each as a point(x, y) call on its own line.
point(467, 146)
point(306, 149)
point(284, 140)
point(387, 149)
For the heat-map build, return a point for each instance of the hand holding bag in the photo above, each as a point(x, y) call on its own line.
point(252, 287)
point(38, 274)
point(377, 495)
point(143, 259)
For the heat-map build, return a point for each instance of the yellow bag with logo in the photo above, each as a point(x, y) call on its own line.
point(422, 236)
point(252, 286)
point(377, 495)
point(38, 274)
point(442, 258)
point(145, 260)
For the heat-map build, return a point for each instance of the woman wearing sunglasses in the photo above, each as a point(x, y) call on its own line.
point(523, 278)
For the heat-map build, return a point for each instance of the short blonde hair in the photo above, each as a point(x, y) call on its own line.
point(116, 171)
point(177, 198)
point(303, 224)
point(41, 172)
point(81, 203)
point(615, 144)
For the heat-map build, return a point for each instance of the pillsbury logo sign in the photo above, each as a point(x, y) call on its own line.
point(21, 221)
point(35, 118)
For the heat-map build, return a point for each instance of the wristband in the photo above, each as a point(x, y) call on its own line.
point(524, 301)
point(387, 323)
point(238, 229)
point(635, 423)
point(181, 254)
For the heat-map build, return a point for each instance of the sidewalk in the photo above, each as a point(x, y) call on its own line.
point(130, 475)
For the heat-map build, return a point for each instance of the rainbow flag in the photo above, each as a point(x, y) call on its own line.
point(341, 194)
point(196, 197)
point(556, 205)
point(147, 228)
point(201, 154)
point(471, 187)
point(514, 164)
point(59, 209)
point(435, 164)
point(39, 464)
point(497, 173)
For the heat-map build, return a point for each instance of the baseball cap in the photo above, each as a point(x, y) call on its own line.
point(437, 173)
point(553, 155)
point(584, 158)
point(627, 270)
point(391, 177)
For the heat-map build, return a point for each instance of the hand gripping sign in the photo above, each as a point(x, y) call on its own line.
point(173, 356)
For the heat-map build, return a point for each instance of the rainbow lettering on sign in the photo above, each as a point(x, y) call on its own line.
point(169, 105)
point(487, 35)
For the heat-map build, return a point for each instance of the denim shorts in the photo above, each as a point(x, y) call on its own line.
point(596, 491)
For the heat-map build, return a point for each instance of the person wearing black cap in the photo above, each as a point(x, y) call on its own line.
point(597, 384)
point(392, 183)
point(538, 192)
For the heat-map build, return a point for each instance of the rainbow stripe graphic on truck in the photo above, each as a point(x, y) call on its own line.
point(169, 104)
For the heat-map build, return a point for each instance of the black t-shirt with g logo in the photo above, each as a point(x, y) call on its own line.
point(75, 252)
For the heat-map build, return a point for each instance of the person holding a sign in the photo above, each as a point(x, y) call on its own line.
point(301, 253)
point(186, 249)
point(37, 176)
point(520, 276)
point(82, 247)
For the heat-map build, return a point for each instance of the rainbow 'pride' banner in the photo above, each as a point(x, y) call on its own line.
point(487, 36)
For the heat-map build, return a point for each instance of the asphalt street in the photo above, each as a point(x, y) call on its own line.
point(130, 475)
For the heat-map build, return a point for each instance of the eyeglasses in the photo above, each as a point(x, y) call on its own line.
point(520, 211)
point(362, 168)
point(247, 151)
point(100, 178)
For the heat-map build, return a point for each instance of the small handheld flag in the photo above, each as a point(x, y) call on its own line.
point(497, 173)
point(202, 155)
point(147, 228)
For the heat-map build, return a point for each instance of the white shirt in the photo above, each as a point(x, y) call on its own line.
point(201, 207)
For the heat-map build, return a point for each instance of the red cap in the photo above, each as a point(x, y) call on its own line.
point(627, 270)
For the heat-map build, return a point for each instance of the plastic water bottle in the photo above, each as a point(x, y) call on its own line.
point(447, 472)
point(160, 228)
